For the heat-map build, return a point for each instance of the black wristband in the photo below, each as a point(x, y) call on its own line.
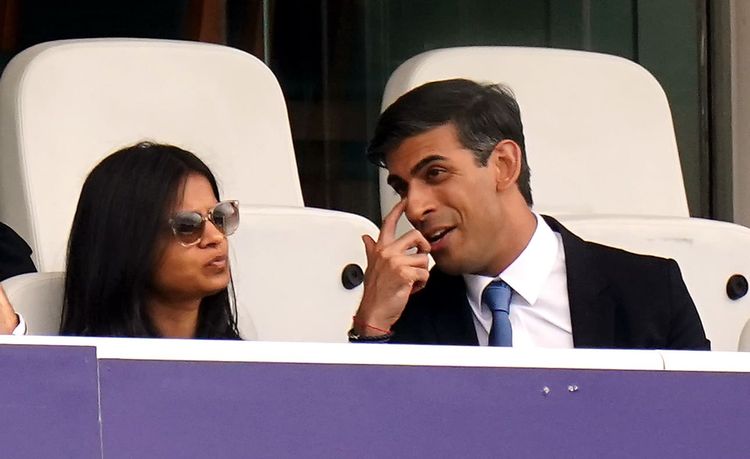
point(356, 338)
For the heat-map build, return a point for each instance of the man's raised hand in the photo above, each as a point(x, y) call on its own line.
point(396, 268)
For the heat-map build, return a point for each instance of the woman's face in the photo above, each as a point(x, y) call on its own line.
point(186, 274)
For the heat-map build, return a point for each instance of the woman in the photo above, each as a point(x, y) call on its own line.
point(147, 255)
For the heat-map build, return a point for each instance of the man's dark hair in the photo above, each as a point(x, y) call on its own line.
point(483, 114)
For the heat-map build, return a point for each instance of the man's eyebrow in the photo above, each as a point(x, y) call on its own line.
point(424, 162)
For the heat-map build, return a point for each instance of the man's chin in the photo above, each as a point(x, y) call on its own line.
point(449, 266)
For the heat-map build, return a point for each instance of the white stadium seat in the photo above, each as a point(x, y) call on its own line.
point(710, 255)
point(65, 105)
point(598, 129)
point(39, 298)
point(289, 266)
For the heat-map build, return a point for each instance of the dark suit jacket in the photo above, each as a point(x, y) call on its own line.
point(618, 300)
point(15, 254)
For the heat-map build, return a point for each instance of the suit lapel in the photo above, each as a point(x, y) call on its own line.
point(452, 317)
point(591, 309)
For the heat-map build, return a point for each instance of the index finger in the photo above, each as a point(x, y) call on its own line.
point(388, 229)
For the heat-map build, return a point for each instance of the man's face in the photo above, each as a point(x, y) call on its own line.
point(450, 199)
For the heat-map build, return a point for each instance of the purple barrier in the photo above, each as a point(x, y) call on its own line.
point(49, 402)
point(218, 409)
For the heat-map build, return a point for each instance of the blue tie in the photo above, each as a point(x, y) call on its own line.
point(497, 297)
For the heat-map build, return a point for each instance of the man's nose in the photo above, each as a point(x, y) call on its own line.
point(419, 203)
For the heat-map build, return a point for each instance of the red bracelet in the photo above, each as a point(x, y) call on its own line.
point(365, 324)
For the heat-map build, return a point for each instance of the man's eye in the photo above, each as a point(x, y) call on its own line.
point(435, 172)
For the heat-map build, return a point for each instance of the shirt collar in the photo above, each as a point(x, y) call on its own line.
point(528, 273)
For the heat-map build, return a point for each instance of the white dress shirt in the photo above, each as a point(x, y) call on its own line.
point(539, 307)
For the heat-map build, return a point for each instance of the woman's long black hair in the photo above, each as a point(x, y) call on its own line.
point(115, 240)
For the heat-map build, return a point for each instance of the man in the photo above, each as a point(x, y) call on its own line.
point(15, 258)
point(504, 275)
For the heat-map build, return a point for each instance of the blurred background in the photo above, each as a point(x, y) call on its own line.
point(333, 58)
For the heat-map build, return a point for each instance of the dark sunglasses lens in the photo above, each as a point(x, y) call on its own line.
point(226, 217)
point(188, 227)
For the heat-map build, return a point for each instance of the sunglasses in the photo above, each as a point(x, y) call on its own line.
point(188, 227)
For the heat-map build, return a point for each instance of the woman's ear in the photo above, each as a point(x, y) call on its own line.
point(506, 159)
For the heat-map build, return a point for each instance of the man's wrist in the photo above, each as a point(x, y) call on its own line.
point(355, 337)
point(366, 325)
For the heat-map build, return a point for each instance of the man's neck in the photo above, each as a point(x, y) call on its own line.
point(519, 231)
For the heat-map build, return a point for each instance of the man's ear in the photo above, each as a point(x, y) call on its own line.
point(506, 159)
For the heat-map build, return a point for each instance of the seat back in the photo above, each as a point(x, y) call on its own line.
point(711, 256)
point(598, 128)
point(38, 297)
point(65, 105)
point(288, 264)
